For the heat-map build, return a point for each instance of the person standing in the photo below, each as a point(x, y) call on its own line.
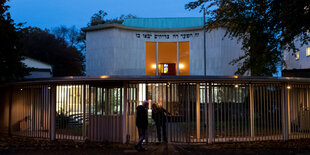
point(158, 115)
point(141, 123)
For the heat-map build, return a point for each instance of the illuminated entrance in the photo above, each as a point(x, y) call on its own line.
point(167, 58)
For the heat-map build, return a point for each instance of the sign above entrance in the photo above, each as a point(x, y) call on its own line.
point(166, 36)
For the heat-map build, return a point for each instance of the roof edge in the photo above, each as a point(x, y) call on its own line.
point(26, 57)
point(120, 26)
point(115, 78)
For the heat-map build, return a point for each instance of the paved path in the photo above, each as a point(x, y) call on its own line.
point(24, 145)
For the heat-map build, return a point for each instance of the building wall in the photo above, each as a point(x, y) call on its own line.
point(4, 110)
point(118, 51)
point(39, 74)
point(220, 52)
point(41, 70)
point(290, 59)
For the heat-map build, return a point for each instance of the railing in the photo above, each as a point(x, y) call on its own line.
point(201, 109)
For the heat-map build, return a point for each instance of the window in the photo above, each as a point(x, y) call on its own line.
point(297, 55)
point(167, 69)
point(162, 58)
point(308, 51)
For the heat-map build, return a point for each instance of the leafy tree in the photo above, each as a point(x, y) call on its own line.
point(44, 46)
point(11, 66)
point(265, 28)
point(99, 18)
point(70, 34)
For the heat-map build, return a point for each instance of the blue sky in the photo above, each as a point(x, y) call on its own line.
point(53, 13)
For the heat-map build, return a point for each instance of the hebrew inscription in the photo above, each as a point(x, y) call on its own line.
point(166, 36)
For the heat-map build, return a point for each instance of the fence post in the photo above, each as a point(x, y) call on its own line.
point(10, 112)
point(307, 98)
point(198, 111)
point(211, 114)
point(84, 112)
point(167, 102)
point(53, 113)
point(252, 110)
point(285, 111)
point(124, 118)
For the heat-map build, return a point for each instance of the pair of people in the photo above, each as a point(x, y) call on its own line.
point(158, 115)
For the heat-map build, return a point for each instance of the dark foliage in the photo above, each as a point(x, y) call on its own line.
point(41, 45)
point(99, 18)
point(72, 35)
point(11, 67)
point(265, 28)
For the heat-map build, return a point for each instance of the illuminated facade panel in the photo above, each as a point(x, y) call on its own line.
point(150, 58)
point(167, 58)
point(184, 58)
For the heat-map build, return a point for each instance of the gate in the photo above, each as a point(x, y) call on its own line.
point(186, 120)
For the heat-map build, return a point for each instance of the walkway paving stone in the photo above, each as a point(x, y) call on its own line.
point(25, 145)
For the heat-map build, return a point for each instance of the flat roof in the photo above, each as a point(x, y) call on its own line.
point(154, 24)
point(120, 26)
point(164, 23)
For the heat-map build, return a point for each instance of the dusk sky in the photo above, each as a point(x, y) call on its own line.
point(53, 13)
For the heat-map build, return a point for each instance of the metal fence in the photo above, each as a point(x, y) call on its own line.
point(199, 109)
point(28, 111)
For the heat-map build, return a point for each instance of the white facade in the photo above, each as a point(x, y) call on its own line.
point(292, 62)
point(121, 50)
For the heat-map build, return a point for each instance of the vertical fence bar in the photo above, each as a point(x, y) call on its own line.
point(89, 113)
point(233, 114)
point(229, 109)
point(307, 98)
point(264, 133)
point(167, 121)
point(288, 106)
point(60, 106)
point(272, 112)
point(225, 111)
point(285, 112)
point(74, 116)
point(238, 111)
point(10, 111)
point(218, 100)
point(211, 115)
point(279, 115)
point(252, 110)
point(64, 121)
point(124, 118)
point(198, 111)
point(261, 112)
point(53, 112)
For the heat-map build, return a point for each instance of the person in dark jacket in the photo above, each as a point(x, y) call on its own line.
point(141, 123)
point(158, 115)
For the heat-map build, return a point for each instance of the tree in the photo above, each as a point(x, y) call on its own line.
point(72, 35)
point(99, 18)
point(40, 44)
point(11, 67)
point(265, 28)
